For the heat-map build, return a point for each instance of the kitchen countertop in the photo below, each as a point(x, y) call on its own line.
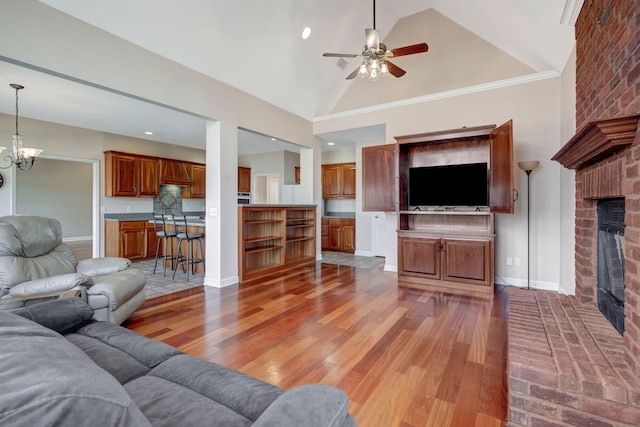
point(339, 215)
point(192, 217)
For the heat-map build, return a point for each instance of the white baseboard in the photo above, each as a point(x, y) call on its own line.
point(364, 253)
point(522, 283)
point(391, 267)
point(215, 283)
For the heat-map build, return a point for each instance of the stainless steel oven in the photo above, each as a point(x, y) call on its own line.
point(244, 198)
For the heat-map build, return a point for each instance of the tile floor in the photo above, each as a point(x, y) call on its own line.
point(158, 285)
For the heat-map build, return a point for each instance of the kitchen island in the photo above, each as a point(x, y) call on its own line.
point(132, 236)
point(274, 238)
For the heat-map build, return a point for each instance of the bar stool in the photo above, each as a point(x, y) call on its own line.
point(160, 228)
point(180, 225)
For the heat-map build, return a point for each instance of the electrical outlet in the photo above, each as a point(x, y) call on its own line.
point(128, 208)
point(517, 261)
point(509, 260)
point(213, 211)
point(103, 209)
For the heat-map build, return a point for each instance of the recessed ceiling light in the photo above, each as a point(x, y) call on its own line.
point(306, 33)
point(148, 132)
point(273, 139)
point(330, 143)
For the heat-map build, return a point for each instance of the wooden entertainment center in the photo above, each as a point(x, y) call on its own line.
point(440, 245)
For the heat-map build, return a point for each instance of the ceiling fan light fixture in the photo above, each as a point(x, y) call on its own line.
point(384, 69)
point(364, 71)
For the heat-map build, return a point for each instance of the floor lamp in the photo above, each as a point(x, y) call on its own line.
point(528, 167)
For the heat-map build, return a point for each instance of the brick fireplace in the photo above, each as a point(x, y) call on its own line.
point(605, 152)
point(567, 364)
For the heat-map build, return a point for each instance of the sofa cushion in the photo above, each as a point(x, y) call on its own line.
point(102, 266)
point(248, 396)
point(63, 316)
point(59, 283)
point(119, 351)
point(48, 381)
point(117, 288)
point(165, 403)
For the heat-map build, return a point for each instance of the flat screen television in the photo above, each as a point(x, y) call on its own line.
point(450, 185)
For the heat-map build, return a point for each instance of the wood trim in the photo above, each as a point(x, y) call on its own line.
point(464, 132)
point(596, 140)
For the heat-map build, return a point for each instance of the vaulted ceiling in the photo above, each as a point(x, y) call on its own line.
point(256, 46)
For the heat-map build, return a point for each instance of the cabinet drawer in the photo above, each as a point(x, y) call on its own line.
point(132, 225)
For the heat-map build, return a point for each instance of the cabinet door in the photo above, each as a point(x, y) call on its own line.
point(467, 261)
point(124, 175)
point(419, 257)
point(331, 181)
point(149, 173)
point(501, 178)
point(325, 233)
point(244, 180)
point(378, 178)
point(198, 184)
point(297, 174)
point(152, 241)
point(335, 228)
point(348, 236)
point(349, 181)
point(132, 243)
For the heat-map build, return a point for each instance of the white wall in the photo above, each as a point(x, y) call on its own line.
point(59, 189)
point(535, 108)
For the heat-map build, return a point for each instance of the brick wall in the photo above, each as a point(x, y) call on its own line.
point(607, 86)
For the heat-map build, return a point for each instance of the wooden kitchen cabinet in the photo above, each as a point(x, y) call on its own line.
point(339, 181)
point(131, 175)
point(151, 240)
point(325, 233)
point(127, 239)
point(341, 235)
point(198, 187)
point(244, 180)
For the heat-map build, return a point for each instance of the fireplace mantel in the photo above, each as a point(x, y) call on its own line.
point(597, 140)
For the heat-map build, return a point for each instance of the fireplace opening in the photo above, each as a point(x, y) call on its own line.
point(611, 261)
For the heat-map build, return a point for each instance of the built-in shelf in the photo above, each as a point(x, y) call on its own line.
point(274, 237)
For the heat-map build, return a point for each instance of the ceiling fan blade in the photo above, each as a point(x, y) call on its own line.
point(395, 70)
point(354, 74)
point(410, 50)
point(373, 39)
point(340, 55)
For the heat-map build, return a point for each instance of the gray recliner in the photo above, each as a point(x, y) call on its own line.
point(33, 260)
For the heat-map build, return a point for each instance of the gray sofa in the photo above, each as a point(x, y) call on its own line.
point(33, 260)
point(60, 367)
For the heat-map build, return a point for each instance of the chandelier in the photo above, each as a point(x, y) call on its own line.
point(23, 158)
point(374, 63)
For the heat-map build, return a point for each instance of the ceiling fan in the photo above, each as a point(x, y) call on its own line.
point(376, 56)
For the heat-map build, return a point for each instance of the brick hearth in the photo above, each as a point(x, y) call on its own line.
point(567, 365)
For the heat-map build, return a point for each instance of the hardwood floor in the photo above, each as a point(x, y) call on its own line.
point(405, 357)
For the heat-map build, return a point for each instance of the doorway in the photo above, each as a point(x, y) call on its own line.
point(267, 189)
point(65, 189)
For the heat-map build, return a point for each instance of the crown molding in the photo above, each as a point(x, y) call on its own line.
point(571, 11)
point(543, 75)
